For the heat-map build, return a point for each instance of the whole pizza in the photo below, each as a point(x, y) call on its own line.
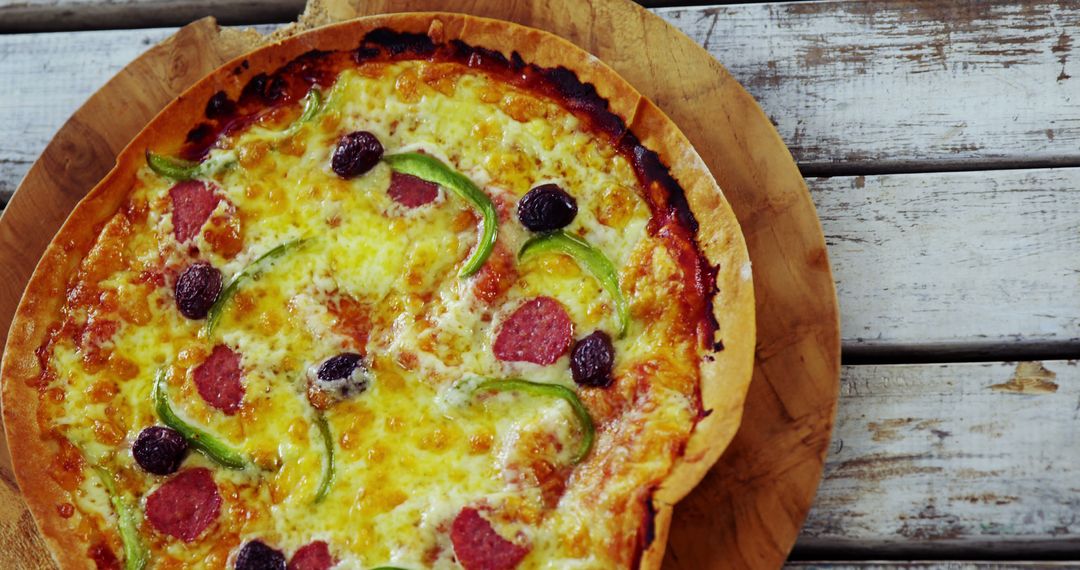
point(412, 291)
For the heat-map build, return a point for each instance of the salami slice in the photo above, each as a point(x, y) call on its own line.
point(218, 380)
point(478, 547)
point(192, 203)
point(185, 505)
point(410, 191)
point(313, 556)
point(539, 331)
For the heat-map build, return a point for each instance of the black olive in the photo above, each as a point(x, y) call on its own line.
point(592, 359)
point(256, 555)
point(343, 375)
point(546, 207)
point(356, 153)
point(159, 450)
point(197, 289)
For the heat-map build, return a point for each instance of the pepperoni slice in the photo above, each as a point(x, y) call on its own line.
point(539, 331)
point(478, 547)
point(192, 202)
point(408, 190)
point(218, 380)
point(314, 556)
point(185, 505)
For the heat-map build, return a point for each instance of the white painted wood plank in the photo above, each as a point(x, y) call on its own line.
point(902, 86)
point(943, 459)
point(20, 16)
point(955, 262)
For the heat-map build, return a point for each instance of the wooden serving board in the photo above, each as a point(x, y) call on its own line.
point(748, 511)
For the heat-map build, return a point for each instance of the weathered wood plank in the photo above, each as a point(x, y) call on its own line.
point(902, 86)
point(22, 16)
point(963, 264)
point(930, 565)
point(951, 459)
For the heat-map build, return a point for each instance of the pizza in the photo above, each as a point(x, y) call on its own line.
point(412, 291)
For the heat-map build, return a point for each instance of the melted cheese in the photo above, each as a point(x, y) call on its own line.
point(415, 448)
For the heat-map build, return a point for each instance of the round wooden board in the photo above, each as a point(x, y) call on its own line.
point(748, 510)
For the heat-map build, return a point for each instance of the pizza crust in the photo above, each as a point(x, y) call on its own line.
point(725, 375)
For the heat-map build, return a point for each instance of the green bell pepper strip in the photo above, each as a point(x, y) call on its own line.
point(592, 259)
point(313, 102)
point(328, 473)
point(135, 553)
point(434, 171)
point(252, 269)
point(555, 391)
point(209, 445)
point(174, 168)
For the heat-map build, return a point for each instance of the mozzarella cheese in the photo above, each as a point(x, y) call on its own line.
point(416, 447)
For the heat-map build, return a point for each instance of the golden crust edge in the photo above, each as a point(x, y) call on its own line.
point(724, 380)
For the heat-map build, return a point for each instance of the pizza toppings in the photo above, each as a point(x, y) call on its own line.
point(192, 203)
point(478, 546)
point(588, 430)
point(592, 359)
point(196, 289)
point(538, 331)
point(587, 256)
point(546, 207)
point(184, 506)
point(159, 450)
point(173, 168)
point(135, 553)
point(218, 380)
point(329, 467)
point(497, 276)
point(411, 191)
point(256, 555)
point(208, 445)
point(431, 169)
point(313, 556)
point(356, 153)
point(343, 376)
point(254, 268)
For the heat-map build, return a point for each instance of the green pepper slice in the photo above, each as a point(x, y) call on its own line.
point(252, 269)
point(210, 446)
point(434, 171)
point(312, 104)
point(328, 472)
point(555, 391)
point(174, 168)
point(135, 553)
point(592, 259)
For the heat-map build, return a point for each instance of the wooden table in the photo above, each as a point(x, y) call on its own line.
point(941, 144)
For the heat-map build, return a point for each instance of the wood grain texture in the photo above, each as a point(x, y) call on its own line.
point(799, 334)
point(915, 85)
point(957, 460)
